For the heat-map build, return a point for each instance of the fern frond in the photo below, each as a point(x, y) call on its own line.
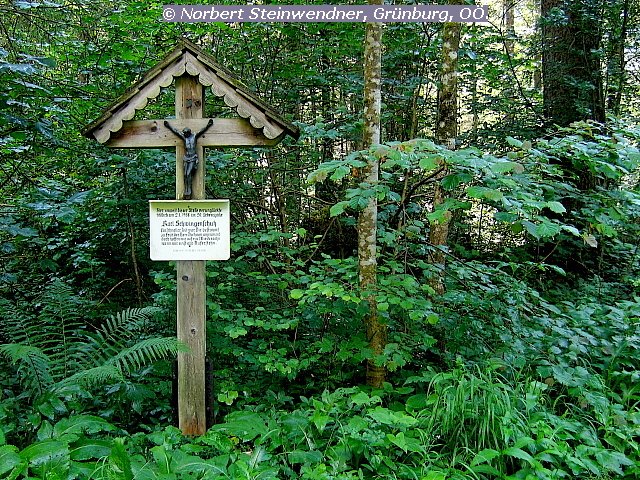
point(56, 351)
point(16, 326)
point(52, 323)
point(113, 336)
point(33, 364)
point(146, 351)
point(59, 306)
point(91, 377)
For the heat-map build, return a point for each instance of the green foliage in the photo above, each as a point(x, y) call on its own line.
point(467, 424)
point(60, 356)
point(525, 368)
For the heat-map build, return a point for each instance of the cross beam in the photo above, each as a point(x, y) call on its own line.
point(225, 132)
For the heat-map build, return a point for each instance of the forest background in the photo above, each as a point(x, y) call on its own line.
point(505, 290)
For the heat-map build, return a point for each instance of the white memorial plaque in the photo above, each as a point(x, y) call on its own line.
point(189, 229)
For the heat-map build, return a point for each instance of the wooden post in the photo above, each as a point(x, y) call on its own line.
point(191, 311)
point(192, 69)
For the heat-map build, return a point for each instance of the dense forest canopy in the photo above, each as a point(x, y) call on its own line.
point(497, 167)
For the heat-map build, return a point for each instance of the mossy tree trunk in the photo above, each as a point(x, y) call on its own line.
point(446, 133)
point(376, 330)
point(571, 70)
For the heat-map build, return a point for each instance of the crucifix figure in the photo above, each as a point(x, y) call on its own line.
point(190, 159)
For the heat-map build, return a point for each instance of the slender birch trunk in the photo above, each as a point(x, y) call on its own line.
point(376, 331)
point(446, 133)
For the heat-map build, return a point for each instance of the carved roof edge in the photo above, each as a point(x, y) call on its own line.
point(247, 102)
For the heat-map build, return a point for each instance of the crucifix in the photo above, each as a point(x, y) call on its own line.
point(259, 125)
point(190, 160)
point(191, 278)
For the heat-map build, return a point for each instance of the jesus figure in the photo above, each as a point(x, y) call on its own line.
point(190, 159)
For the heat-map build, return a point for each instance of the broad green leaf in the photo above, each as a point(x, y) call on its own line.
point(236, 332)
point(518, 453)
point(491, 194)
point(612, 460)
point(228, 397)
point(320, 421)
point(389, 417)
point(524, 441)
point(398, 440)
point(304, 456)
point(23, 68)
point(571, 229)
point(45, 451)
point(514, 142)
point(476, 191)
point(416, 402)
point(406, 304)
point(433, 475)
point(185, 464)
point(162, 458)
point(503, 167)
point(119, 457)
point(242, 424)
point(296, 294)
point(340, 172)
point(87, 449)
point(505, 217)
point(440, 216)
point(361, 398)
point(484, 468)
point(338, 208)
point(485, 455)
point(8, 458)
point(81, 424)
point(45, 61)
point(531, 227)
point(430, 162)
point(452, 181)
point(548, 229)
point(556, 207)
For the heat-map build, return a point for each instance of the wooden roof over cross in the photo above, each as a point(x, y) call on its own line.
point(259, 124)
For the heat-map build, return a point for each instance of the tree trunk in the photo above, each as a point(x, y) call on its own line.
point(508, 12)
point(509, 92)
point(616, 61)
point(571, 74)
point(376, 331)
point(446, 133)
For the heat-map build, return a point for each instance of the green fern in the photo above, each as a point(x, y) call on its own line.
point(55, 348)
point(34, 365)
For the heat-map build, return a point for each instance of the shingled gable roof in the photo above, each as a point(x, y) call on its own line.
point(187, 57)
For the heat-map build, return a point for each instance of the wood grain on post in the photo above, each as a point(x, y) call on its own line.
point(191, 313)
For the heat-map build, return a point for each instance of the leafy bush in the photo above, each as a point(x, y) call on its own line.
point(60, 356)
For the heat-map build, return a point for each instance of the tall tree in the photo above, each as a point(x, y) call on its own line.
point(616, 61)
point(446, 133)
point(571, 70)
point(376, 331)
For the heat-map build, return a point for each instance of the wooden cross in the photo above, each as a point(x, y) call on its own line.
point(192, 69)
